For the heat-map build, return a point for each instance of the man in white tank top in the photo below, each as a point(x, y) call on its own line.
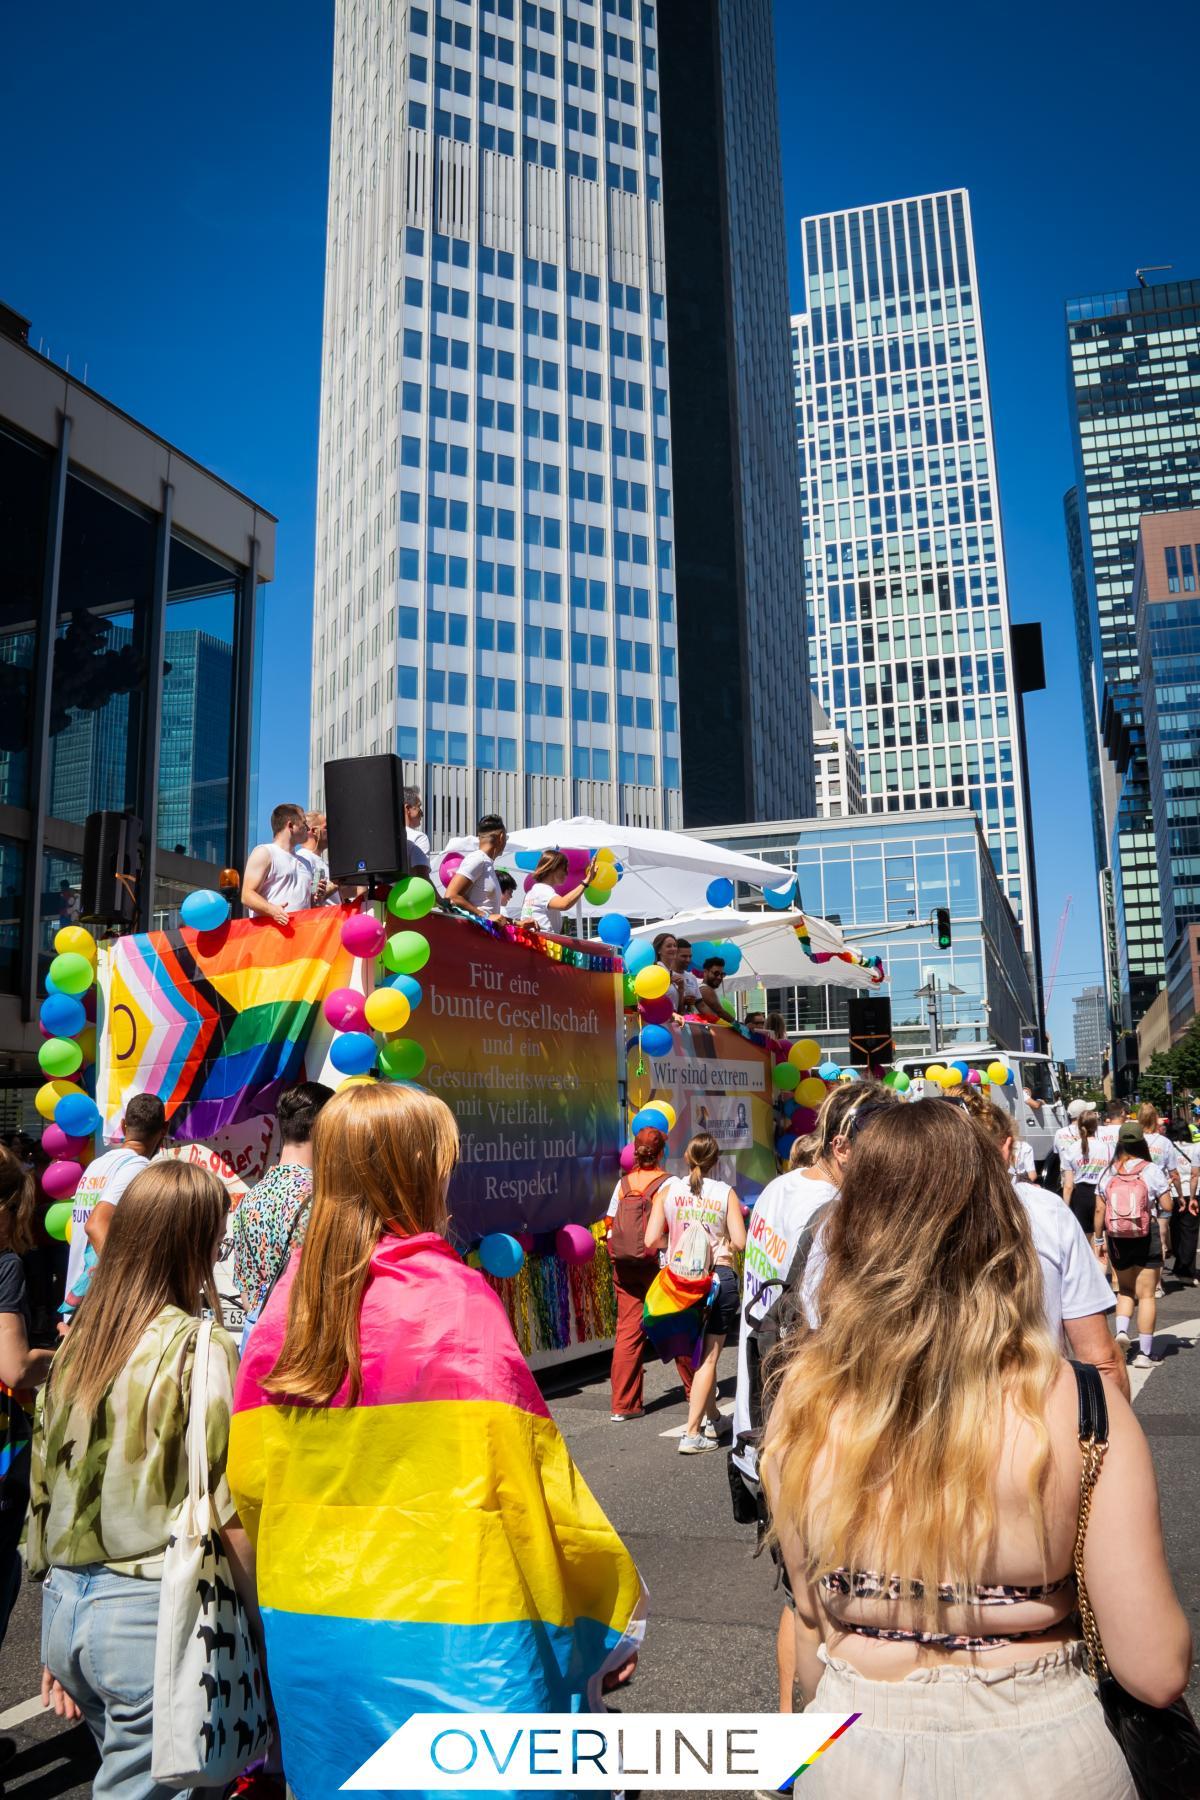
point(278, 882)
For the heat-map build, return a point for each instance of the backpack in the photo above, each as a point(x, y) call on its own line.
point(1127, 1203)
point(692, 1256)
point(627, 1240)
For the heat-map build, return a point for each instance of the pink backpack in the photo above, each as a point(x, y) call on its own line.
point(1127, 1202)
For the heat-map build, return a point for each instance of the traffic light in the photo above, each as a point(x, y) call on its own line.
point(941, 919)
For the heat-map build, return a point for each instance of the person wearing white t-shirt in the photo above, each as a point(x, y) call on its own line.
point(547, 896)
point(1024, 1168)
point(1185, 1226)
point(101, 1187)
point(1129, 1254)
point(277, 881)
point(1164, 1156)
point(473, 886)
point(687, 982)
point(418, 839)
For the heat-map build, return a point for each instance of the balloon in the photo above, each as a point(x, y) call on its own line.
point(343, 1010)
point(412, 897)
point(73, 940)
point(961, 1069)
point(656, 1040)
point(701, 953)
point(810, 1053)
point(87, 1043)
point(615, 930)
point(355, 1081)
point(71, 974)
point(999, 1073)
point(650, 1118)
point(70, 1228)
point(402, 1060)
point(951, 1079)
point(657, 1012)
point(47, 1097)
point(387, 1009)
point(77, 1115)
point(597, 896)
point(787, 1106)
point(501, 1255)
point(525, 859)
point(934, 1073)
point(448, 867)
point(353, 1053)
point(363, 935)
point(785, 1077)
point(652, 982)
point(828, 1071)
point(628, 989)
point(732, 957)
point(719, 892)
point(627, 1158)
point(62, 1016)
point(604, 876)
point(811, 1091)
point(410, 988)
point(58, 1218)
point(640, 956)
point(56, 1143)
point(575, 1244)
point(59, 1056)
point(902, 1084)
point(974, 1078)
point(528, 883)
point(780, 898)
point(61, 1179)
point(889, 1080)
point(783, 1146)
point(404, 953)
point(205, 910)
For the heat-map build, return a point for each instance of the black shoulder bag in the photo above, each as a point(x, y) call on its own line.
point(1160, 1743)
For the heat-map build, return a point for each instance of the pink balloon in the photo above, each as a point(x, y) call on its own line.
point(525, 1239)
point(974, 1078)
point(448, 867)
point(89, 1005)
point(575, 1244)
point(55, 1142)
point(363, 935)
point(343, 1010)
point(628, 1159)
point(61, 1179)
point(657, 1012)
point(802, 1120)
point(44, 1032)
point(528, 883)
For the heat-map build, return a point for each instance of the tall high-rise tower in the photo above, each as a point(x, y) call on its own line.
point(904, 561)
point(495, 592)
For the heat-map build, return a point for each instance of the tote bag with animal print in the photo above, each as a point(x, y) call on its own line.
point(210, 1715)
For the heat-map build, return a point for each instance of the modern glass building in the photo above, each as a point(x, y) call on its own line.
point(892, 872)
point(1135, 416)
point(495, 591)
point(128, 620)
point(909, 629)
point(1091, 1032)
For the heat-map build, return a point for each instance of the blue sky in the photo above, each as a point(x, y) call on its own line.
point(165, 216)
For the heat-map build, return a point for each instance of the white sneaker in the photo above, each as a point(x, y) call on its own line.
point(1146, 1361)
point(715, 1429)
point(1160, 1292)
point(692, 1446)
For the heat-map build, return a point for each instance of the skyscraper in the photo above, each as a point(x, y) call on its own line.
point(1091, 1032)
point(1135, 415)
point(904, 561)
point(495, 592)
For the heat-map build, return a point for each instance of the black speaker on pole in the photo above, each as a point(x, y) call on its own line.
point(870, 1020)
point(364, 804)
point(112, 868)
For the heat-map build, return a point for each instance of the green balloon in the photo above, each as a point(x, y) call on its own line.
point(58, 1217)
point(902, 1084)
point(59, 1056)
point(631, 998)
point(405, 952)
point(72, 974)
point(597, 896)
point(412, 897)
point(786, 1077)
point(402, 1059)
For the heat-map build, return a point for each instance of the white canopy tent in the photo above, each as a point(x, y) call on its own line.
point(772, 954)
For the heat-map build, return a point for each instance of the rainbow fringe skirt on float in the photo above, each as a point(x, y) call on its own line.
point(674, 1313)
point(431, 1548)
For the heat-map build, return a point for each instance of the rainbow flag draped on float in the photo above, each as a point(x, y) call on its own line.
point(674, 1313)
point(431, 1548)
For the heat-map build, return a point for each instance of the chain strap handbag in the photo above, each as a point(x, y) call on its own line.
point(1160, 1744)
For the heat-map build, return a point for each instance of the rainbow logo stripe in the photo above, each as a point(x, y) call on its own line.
point(674, 1311)
point(215, 1023)
point(785, 1787)
point(433, 1547)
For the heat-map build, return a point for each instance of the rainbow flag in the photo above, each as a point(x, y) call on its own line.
point(432, 1548)
point(674, 1312)
point(214, 1022)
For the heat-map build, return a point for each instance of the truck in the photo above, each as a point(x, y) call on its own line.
point(1037, 1118)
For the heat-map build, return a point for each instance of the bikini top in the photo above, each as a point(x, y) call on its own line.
point(863, 1584)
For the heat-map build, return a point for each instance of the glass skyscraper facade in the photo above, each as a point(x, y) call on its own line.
point(903, 556)
point(1091, 1032)
point(1135, 414)
point(495, 591)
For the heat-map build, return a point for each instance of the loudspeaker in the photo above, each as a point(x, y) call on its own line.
point(364, 804)
point(112, 868)
point(870, 1020)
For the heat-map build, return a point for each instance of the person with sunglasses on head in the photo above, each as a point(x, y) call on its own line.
point(1128, 1194)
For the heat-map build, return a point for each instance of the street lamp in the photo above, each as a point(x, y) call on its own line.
point(931, 992)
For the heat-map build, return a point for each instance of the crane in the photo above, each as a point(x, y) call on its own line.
point(1058, 944)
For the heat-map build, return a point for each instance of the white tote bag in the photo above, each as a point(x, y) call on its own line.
point(210, 1714)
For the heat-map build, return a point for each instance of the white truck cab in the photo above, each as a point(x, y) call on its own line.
point(1033, 1095)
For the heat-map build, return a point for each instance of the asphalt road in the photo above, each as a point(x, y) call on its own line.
point(713, 1609)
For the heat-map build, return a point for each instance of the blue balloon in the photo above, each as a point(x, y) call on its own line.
point(961, 1068)
point(410, 987)
point(500, 1254)
point(732, 957)
point(787, 1106)
point(205, 910)
point(353, 1053)
point(656, 1040)
point(616, 930)
point(780, 898)
point(527, 860)
point(783, 1145)
point(62, 1015)
point(829, 1071)
point(649, 1119)
point(720, 892)
point(77, 1116)
point(701, 953)
point(640, 957)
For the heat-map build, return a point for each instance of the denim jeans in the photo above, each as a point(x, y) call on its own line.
point(98, 1635)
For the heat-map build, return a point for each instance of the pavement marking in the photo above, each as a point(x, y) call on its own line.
point(725, 1407)
point(18, 1715)
point(1185, 1331)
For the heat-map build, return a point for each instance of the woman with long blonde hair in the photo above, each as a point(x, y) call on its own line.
point(423, 1538)
point(923, 1466)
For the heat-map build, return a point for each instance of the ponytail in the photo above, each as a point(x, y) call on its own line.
point(701, 1155)
point(1088, 1122)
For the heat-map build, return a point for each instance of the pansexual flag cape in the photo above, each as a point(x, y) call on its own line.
point(432, 1548)
point(214, 1022)
point(674, 1313)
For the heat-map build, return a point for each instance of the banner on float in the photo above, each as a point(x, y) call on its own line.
point(525, 1052)
point(720, 1083)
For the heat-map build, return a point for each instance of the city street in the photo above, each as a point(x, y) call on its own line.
point(713, 1611)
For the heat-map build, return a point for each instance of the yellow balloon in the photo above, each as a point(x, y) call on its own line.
point(950, 1078)
point(651, 983)
point(49, 1095)
point(604, 877)
point(664, 1106)
point(387, 1009)
point(87, 1043)
point(606, 856)
point(935, 1073)
point(811, 1092)
point(998, 1072)
point(806, 1054)
point(73, 940)
point(355, 1081)
point(70, 1226)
